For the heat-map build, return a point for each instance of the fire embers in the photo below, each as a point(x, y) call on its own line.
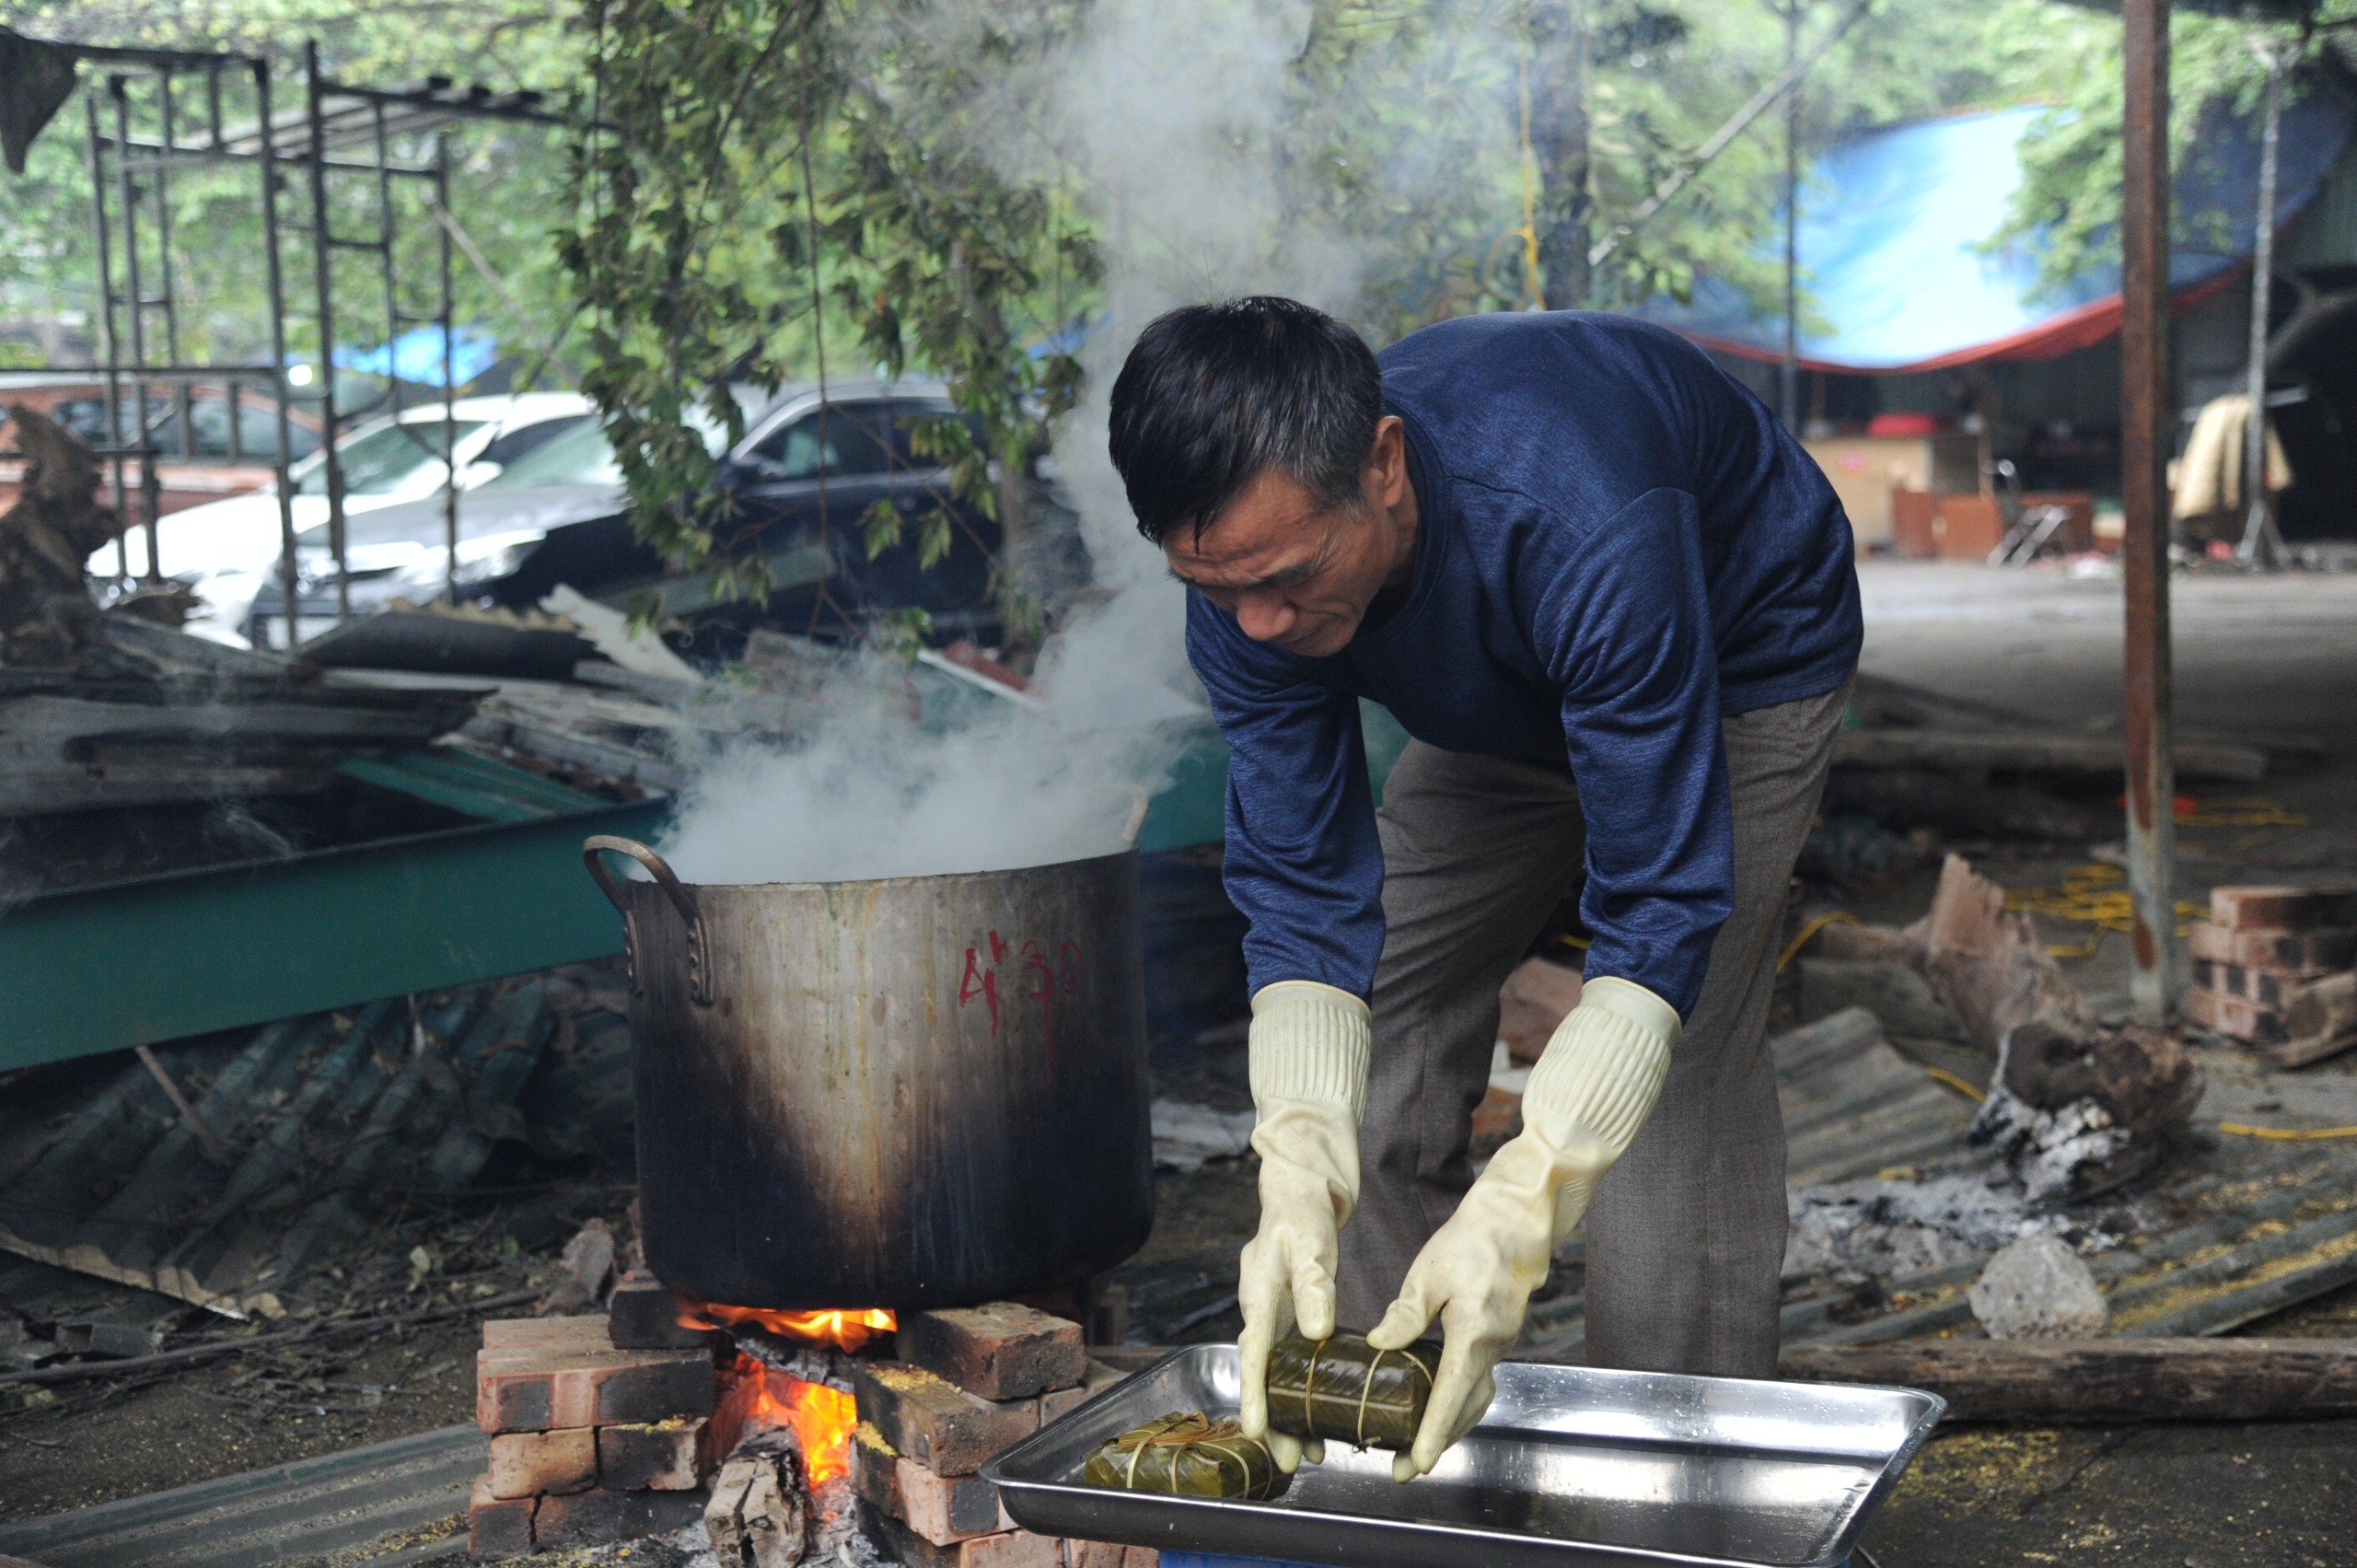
point(845, 1330)
point(645, 1418)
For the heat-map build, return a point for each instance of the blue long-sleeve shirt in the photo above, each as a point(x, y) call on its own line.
point(1618, 545)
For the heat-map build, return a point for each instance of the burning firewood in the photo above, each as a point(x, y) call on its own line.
point(2078, 1107)
point(759, 1515)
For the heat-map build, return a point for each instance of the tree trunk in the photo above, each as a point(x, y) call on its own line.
point(1559, 132)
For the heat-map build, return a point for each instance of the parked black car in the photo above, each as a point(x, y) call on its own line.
point(797, 486)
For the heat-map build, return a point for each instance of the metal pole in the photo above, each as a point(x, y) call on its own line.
point(118, 497)
point(323, 265)
point(183, 405)
point(127, 193)
point(1790, 384)
point(384, 262)
point(2258, 537)
point(288, 577)
point(2145, 440)
point(449, 377)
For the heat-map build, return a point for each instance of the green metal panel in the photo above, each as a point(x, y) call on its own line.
point(1192, 808)
point(97, 968)
point(163, 958)
point(479, 787)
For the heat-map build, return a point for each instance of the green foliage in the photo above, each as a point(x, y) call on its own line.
point(507, 184)
point(2071, 160)
point(760, 204)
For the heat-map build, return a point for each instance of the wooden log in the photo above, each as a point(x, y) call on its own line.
point(2032, 751)
point(2102, 1380)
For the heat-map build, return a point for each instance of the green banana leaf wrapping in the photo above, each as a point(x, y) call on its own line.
point(1188, 1453)
point(1344, 1390)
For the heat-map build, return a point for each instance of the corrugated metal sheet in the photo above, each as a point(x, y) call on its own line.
point(316, 1114)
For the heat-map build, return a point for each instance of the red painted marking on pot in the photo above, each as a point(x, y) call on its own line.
point(979, 981)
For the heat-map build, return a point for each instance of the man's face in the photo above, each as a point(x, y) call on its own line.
point(1294, 572)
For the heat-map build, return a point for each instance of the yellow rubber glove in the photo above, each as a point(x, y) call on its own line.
point(1593, 1088)
point(1309, 1049)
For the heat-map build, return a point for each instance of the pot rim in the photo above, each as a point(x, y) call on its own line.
point(638, 877)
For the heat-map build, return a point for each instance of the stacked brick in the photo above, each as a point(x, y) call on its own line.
point(969, 1384)
point(602, 1427)
point(2272, 968)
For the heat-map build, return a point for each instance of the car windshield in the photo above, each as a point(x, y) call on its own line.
point(383, 460)
point(581, 456)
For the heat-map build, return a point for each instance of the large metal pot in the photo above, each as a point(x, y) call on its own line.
point(910, 1092)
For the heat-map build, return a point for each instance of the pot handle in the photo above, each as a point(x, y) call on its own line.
point(593, 850)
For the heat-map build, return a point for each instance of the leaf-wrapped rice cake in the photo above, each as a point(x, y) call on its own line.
point(1344, 1390)
point(1190, 1455)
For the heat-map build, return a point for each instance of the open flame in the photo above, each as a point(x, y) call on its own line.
point(846, 1329)
point(822, 1419)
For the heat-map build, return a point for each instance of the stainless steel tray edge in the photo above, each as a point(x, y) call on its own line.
point(1029, 1477)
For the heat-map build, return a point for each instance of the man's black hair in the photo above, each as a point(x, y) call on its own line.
point(1213, 395)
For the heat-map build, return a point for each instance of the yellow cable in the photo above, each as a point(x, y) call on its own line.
point(2089, 895)
point(1961, 1085)
point(2287, 1134)
point(1576, 944)
point(1809, 933)
point(2240, 811)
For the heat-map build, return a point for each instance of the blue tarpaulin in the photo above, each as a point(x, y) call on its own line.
point(1894, 255)
point(417, 356)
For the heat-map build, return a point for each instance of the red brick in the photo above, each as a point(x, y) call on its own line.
point(2269, 988)
point(523, 1463)
point(1002, 1350)
point(942, 1509)
point(546, 1333)
point(532, 1390)
point(1531, 1005)
point(2284, 909)
point(938, 1424)
point(2286, 952)
point(1005, 1548)
point(643, 1314)
point(2234, 1015)
point(1063, 1402)
point(671, 1455)
point(593, 1519)
point(1105, 1554)
point(497, 1526)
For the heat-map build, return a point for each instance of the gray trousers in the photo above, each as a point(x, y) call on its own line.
point(1686, 1236)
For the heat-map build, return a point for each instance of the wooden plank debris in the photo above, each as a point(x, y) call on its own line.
point(2102, 1380)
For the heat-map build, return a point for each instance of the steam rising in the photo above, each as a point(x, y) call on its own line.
point(1166, 118)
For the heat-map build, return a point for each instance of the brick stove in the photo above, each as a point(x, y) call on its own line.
point(791, 1436)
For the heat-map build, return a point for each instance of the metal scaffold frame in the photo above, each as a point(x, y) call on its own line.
point(342, 141)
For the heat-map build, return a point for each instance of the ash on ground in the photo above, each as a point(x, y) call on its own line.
point(1887, 1229)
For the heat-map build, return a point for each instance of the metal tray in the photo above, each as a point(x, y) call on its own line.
point(1572, 1465)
